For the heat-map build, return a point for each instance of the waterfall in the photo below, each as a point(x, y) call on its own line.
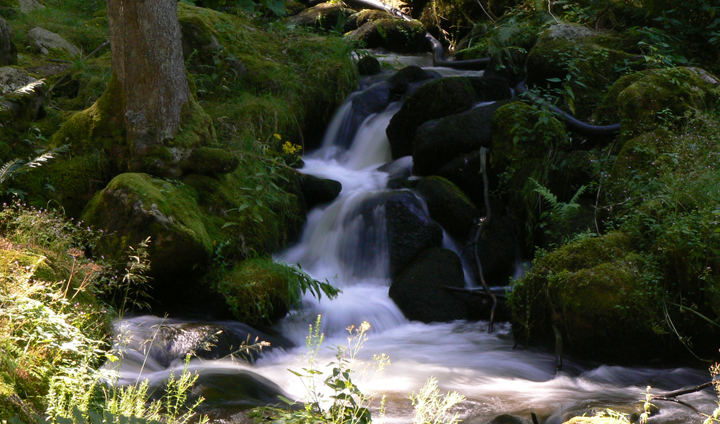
point(346, 243)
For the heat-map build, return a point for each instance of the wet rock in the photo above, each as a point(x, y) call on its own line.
point(44, 41)
point(440, 140)
point(500, 419)
point(410, 230)
point(368, 65)
point(324, 15)
point(464, 171)
point(397, 35)
point(230, 390)
point(8, 52)
point(317, 191)
point(374, 99)
point(434, 99)
point(419, 290)
point(448, 205)
point(498, 249)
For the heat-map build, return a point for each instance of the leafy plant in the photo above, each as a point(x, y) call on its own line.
point(432, 407)
point(345, 404)
point(16, 167)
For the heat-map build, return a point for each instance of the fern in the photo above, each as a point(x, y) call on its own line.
point(15, 167)
point(559, 211)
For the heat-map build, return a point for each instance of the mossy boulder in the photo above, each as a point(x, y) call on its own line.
point(258, 290)
point(525, 140)
point(209, 161)
point(515, 31)
point(434, 99)
point(396, 35)
point(134, 206)
point(420, 289)
point(440, 140)
point(358, 19)
point(598, 293)
point(326, 15)
point(572, 57)
point(448, 206)
point(657, 97)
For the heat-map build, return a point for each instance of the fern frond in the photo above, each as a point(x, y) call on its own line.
point(9, 169)
point(545, 193)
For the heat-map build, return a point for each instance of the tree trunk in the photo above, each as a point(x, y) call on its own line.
point(149, 69)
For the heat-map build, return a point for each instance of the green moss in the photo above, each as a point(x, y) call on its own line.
point(525, 140)
point(657, 97)
point(597, 292)
point(258, 290)
point(519, 31)
point(275, 80)
point(393, 34)
point(134, 206)
point(583, 66)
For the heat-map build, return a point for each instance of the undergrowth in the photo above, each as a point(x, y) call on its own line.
point(54, 324)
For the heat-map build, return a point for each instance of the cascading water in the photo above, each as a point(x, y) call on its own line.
point(346, 242)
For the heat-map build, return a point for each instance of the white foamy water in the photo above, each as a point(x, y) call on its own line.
point(345, 242)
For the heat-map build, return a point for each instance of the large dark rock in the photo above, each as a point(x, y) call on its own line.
point(21, 97)
point(209, 161)
point(8, 52)
point(435, 99)
point(449, 206)
point(397, 35)
point(229, 390)
point(464, 171)
point(410, 229)
point(440, 140)
point(498, 249)
point(419, 290)
point(317, 191)
point(368, 65)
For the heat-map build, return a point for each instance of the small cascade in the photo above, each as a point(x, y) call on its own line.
point(347, 243)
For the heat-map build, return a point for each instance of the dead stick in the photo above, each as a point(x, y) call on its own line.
point(686, 390)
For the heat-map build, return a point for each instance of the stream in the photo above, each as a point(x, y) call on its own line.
point(345, 242)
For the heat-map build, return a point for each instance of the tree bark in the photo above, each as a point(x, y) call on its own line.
point(148, 65)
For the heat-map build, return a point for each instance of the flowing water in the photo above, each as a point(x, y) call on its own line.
point(345, 242)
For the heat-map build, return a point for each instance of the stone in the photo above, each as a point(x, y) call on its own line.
point(368, 65)
point(133, 206)
point(209, 161)
point(24, 103)
point(396, 35)
point(419, 290)
point(448, 206)
point(8, 52)
point(27, 6)
point(44, 41)
point(13, 79)
point(641, 101)
point(324, 15)
point(317, 191)
point(434, 99)
point(440, 140)
point(409, 227)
